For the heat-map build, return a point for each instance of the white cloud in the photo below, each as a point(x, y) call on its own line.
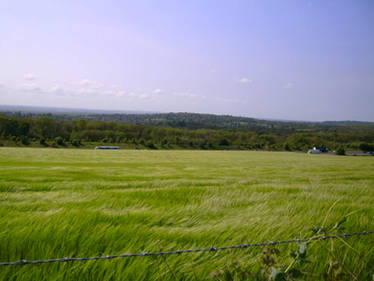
point(120, 94)
point(31, 87)
point(143, 96)
point(58, 91)
point(84, 82)
point(29, 77)
point(88, 89)
point(90, 84)
point(157, 91)
point(55, 88)
point(289, 85)
point(185, 94)
point(87, 92)
point(245, 80)
point(2, 85)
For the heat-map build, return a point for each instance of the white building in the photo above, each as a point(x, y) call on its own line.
point(314, 151)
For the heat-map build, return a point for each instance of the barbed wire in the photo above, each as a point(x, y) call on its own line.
point(211, 249)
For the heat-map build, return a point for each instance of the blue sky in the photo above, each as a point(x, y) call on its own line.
point(300, 60)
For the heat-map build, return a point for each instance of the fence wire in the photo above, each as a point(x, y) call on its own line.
point(210, 249)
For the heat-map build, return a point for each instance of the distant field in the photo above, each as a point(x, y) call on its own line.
point(77, 203)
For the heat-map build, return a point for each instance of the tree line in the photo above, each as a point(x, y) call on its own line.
point(48, 131)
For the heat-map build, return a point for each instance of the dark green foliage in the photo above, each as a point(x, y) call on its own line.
point(200, 132)
point(76, 142)
point(42, 142)
point(59, 141)
point(224, 142)
point(340, 151)
point(366, 147)
point(25, 140)
point(151, 145)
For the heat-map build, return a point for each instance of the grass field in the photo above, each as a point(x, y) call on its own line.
point(76, 203)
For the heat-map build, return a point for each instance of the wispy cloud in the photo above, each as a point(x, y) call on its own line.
point(289, 85)
point(29, 77)
point(95, 91)
point(143, 96)
point(185, 94)
point(58, 91)
point(227, 100)
point(244, 80)
point(31, 87)
point(120, 93)
point(157, 91)
point(90, 84)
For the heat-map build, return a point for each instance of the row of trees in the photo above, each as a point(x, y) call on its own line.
point(46, 131)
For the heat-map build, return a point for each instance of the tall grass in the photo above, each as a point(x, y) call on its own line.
point(76, 203)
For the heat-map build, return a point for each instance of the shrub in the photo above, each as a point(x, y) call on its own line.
point(59, 141)
point(340, 151)
point(25, 140)
point(76, 142)
point(151, 145)
point(287, 147)
point(366, 147)
point(224, 142)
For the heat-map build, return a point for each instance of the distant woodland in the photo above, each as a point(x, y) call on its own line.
point(180, 131)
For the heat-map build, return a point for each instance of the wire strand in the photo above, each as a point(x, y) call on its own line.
point(177, 252)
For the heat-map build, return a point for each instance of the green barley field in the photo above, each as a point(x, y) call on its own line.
point(58, 203)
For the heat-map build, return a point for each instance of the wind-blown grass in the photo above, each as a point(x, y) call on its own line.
point(77, 203)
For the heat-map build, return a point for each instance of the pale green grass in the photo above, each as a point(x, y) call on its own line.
point(76, 203)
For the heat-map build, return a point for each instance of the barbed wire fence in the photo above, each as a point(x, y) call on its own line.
point(177, 252)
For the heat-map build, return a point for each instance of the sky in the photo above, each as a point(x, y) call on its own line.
point(281, 59)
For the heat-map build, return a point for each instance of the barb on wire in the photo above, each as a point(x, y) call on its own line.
point(210, 249)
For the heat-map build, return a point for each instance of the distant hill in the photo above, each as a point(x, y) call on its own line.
point(61, 110)
point(192, 121)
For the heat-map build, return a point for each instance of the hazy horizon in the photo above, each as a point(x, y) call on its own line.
point(77, 110)
point(285, 60)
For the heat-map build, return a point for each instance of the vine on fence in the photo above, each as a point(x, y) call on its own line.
point(273, 270)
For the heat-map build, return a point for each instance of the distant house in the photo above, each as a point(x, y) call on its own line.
point(107, 147)
point(315, 150)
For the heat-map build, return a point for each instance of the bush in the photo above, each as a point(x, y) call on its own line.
point(366, 147)
point(287, 147)
point(25, 140)
point(59, 141)
point(76, 142)
point(224, 142)
point(151, 145)
point(340, 151)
